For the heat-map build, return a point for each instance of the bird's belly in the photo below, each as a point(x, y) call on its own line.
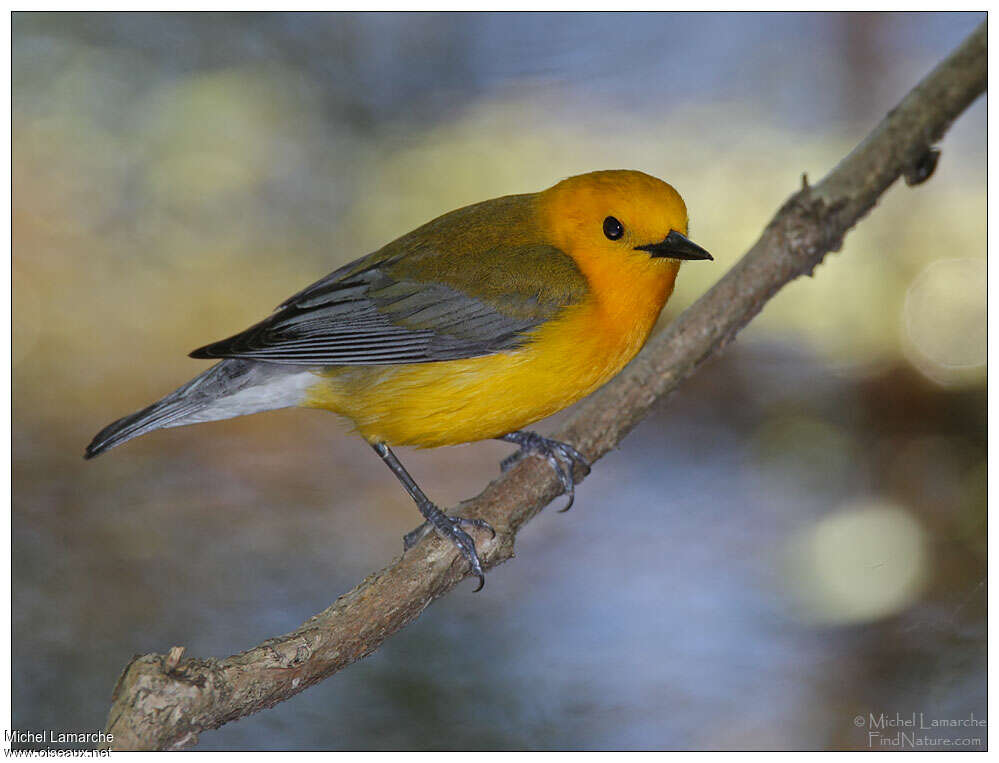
point(451, 402)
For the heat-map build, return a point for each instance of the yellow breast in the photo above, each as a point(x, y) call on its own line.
point(457, 401)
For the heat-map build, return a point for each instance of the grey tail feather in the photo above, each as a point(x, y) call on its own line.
point(152, 417)
point(219, 380)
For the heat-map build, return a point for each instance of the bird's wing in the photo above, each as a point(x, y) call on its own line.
point(414, 306)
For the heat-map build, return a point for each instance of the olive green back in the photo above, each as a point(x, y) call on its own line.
point(469, 283)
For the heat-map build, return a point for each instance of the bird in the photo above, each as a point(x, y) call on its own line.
point(470, 327)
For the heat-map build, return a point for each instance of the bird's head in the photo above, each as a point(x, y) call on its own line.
point(619, 218)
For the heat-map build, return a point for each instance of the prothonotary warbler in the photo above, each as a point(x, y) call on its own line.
point(470, 327)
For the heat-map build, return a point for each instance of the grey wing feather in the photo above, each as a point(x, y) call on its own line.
point(363, 314)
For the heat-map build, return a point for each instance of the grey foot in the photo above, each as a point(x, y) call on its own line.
point(562, 457)
point(450, 528)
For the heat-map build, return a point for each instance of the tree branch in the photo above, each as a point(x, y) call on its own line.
point(163, 701)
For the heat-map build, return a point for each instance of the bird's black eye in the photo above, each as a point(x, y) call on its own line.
point(613, 228)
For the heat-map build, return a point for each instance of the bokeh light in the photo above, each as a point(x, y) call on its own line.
point(861, 562)
point(945, 320)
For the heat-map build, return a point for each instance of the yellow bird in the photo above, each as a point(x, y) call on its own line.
point(470, 327)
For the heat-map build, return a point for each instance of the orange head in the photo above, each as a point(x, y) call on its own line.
point(620, 224)
point(619, 213)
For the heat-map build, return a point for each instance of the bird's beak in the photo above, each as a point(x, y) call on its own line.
point(676, 246)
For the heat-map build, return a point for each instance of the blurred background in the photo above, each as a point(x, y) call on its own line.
point(797, 539)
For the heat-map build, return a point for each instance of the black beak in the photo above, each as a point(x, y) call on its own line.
point(676, 246)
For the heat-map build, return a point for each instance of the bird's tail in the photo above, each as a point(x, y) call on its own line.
point(215, 394)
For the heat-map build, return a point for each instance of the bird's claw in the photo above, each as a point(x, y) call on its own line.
point(450, 528)
point(413, 537)
point(562, 457)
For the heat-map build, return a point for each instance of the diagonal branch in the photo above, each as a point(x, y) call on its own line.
point(163, 701)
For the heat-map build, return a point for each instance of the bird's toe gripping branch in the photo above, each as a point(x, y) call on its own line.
point(413, 537)
point(563, 458)
point(450, 528)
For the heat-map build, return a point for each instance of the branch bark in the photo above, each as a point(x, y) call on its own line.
point(164, 701)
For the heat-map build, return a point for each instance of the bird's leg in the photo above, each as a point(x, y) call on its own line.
point(448, 527)
point(562, 457)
